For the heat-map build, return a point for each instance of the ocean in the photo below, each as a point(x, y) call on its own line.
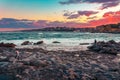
point(66, 38)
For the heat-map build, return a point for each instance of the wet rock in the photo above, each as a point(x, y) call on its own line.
point(7, 77)
point(118, 54)
point(55, 42)
point(7, 45)
point(3, 64)
point(72, 74)
point(36, 63)
point(84, 43)
point(26, 43)
point(104, 76)
point(39, 42)
point(110, 47)
point(112, 42)
point(76, 55)
point(113, 69)
point(3, 58)
point(59, 65)
point(12, 59)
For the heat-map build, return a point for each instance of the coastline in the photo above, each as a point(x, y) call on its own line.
point(37, 63)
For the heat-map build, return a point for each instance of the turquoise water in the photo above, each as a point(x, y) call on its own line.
point(63, 37)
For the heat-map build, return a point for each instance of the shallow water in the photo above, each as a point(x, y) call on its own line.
point(6, 77)
point(66, 38)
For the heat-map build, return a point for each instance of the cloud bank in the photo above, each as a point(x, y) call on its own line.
point(105, 3)
point(79, 13)
point(14, 24)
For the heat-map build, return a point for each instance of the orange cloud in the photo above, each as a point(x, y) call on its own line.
point(108, 18)
point(15, 24)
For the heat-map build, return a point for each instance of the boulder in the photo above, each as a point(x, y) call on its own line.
point(3, 64)
point(36, 63)
point(39, 42)
point(110, 47)
point(3, 58)
point(26, 43)
point(55, 42)
point(112, 42)
point(84, 43)
point(7, 45)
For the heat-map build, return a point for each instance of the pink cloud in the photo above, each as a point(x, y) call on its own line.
point(108, 18)
point(87, 13)
point(109, 4)
point(79, 13)
point(14, 25)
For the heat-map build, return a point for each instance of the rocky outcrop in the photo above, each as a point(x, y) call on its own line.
point(84, 43)
point(26, 43)
point(39, 64)
point(110, 47)
point(39, 42)
point(11, 45)
point(55, 42)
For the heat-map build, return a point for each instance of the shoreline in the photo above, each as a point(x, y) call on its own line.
point(37, 63)
point(55, 47)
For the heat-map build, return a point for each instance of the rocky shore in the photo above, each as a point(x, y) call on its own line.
point(40, 64)
point(110, 47)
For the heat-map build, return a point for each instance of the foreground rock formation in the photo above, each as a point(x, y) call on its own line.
point(26, 43)
point(110, 47)
point(7, 45)
point(39, 42)
point(39, 64)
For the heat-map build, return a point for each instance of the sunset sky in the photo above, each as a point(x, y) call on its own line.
point(27, 14)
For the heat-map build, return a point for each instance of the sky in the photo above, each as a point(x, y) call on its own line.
point(27, 14)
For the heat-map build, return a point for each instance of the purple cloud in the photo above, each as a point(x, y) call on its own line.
point(87, 13)
point(11, 23)
point(73, 16)
point(87, 1)
point(79, 13)
point(105, 3)
point(15, 23)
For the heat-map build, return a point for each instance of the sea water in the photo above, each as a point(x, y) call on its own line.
point(66, 38)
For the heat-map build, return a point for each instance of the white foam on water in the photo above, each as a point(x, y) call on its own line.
point(72, 40)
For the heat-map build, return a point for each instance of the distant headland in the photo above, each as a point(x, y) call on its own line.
point(109, 28)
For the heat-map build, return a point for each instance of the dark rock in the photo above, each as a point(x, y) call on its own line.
point(110, 47)
point(3, 58)
point(26, 62)
point(55, 42)
point(7, 45)
point(39, 42)
point(3, 64)
point(60, 65)
point(112, 42)
point(26, 43)
point(36, 63)
point(84, 43)
point(113, 69)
